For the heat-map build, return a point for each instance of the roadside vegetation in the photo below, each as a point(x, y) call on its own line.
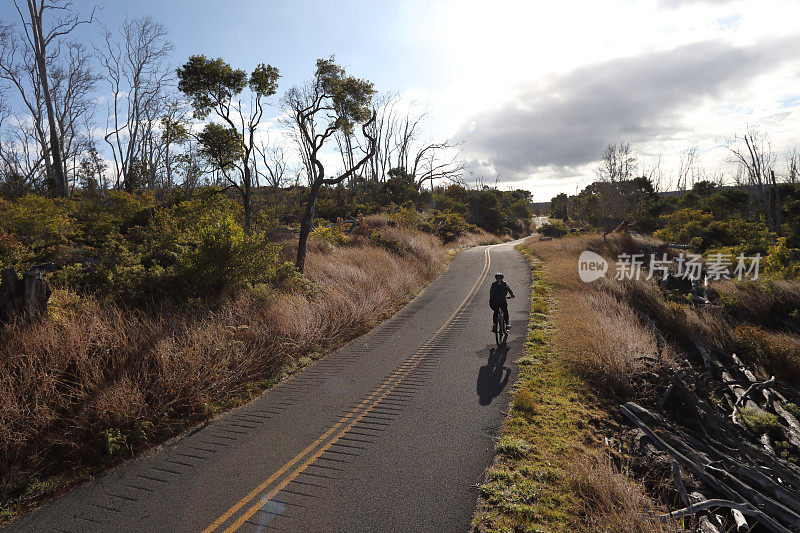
point(754, 211)
point(192, 234)
point(568, 460)
point(553, 471)
point(165, 311)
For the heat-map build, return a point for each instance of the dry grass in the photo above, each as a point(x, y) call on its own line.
point(598, 329)
point(97, 381)
point(760, 301)
point(612, 502)
point(774, 353)
point(480, 238)
point(599, 333)
point(605, 341)
point(551, 472)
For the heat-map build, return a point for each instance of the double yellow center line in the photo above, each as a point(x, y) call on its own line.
point(267, 490)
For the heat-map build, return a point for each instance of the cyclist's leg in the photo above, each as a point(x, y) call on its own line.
point(495, 309)
point(505, 313)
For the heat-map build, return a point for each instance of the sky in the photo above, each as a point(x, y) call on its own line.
point(533, 89)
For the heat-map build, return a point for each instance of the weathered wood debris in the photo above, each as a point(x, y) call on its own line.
point(23, 297)
point(740, 481)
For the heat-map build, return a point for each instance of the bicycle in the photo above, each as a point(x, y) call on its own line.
point(500, 331)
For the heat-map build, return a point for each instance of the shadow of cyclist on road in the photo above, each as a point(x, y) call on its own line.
point(493, 376)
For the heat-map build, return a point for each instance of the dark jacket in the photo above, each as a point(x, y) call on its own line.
point(498, 291)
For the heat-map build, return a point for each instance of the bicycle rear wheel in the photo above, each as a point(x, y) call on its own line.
point(500, 330)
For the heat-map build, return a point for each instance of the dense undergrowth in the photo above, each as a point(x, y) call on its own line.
point(710, 218)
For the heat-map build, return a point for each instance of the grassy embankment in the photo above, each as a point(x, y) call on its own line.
point(561, 464)
point(100, 381)
point(552, 471)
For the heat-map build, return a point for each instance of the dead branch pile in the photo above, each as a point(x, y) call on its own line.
point(743, 467)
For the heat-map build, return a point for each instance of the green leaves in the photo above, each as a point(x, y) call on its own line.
point(221, 146)
point(264, 80)
point(350, 96)
point(212, 82)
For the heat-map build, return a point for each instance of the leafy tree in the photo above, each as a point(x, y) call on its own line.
point(332, 101)
point(221, 146)
point(214, 86)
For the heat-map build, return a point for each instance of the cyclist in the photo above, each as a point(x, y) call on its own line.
point(497, 298)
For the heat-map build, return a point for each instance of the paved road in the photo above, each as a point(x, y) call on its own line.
point(390, 433)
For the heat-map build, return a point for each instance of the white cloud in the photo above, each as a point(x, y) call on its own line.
point(545, 61)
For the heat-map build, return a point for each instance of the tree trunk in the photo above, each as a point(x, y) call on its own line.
point(778, 204)
point(246, 200)
point(305, 229)
point(55, 145)
point(23, 298)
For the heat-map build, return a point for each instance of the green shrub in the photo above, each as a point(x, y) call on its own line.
point(225, 257)
point(112, 443)
point(450, 226)
point(38, 221)
point(553, 229)
point(12, 252)
point(331, 234)
point(782, 261)
point(760, 422)
point(378, 238)
point(405, 215)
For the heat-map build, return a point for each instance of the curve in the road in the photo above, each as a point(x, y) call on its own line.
point(400, 425)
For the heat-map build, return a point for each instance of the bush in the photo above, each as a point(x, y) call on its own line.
point(450, 226)
point(12, 252)
point(782, 261)
point(405, 215)
point(552, 229)
point(331, 234)
point(224, 257)
point(38, 221)
point(388, 241)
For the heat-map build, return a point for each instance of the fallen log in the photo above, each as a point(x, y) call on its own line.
point(693, 509)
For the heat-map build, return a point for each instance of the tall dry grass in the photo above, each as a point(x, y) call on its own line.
point(598, 328)
point(605, 341)
point(600, 333)
point(97, 375)
point(761, 301)
point(479, 238)
point(612, 502)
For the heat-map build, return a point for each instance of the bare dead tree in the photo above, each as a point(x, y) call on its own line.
point(752, 152)
point(383, 129)
point(619, 163)
point(26, 145)
point(72, 87)
point(435, 161)
point(275, 164)
point(137, 74)
point(424, 162)
point(45, 43)
point(657, 175)
point(53, 79)
point(687, 168)
point(793, 166)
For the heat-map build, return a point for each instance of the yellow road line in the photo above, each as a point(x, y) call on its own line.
point(387, 387)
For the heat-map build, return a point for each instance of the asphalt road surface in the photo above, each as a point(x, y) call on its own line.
point(390, 433)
